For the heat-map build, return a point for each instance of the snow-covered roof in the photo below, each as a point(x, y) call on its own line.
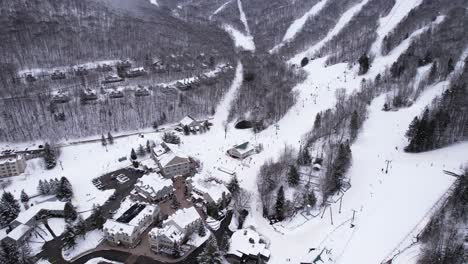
point(17, 233)
point(187, 121)
point(183, 217)
point(27, 215)
point(211, 188)
point(169, 231)
point(160, 149)
point(244, 147)
point(153, 183)
point(128, 227)
point(247, 242)
point(172, 158)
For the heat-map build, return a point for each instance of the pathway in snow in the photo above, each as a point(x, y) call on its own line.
point(400, 9)
point(342, 22)
point(243, 18)
point(219, 9)
point(298, 24)
point(222, 110)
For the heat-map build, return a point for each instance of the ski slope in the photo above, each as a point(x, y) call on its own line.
point(219, 9)
point(342, 22)
point(298, 25)
point(243, 17)
point(241, 40)
point(400, 10)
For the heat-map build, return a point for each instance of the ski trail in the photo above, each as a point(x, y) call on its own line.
point(344, 20)
point(243, 18)
point(298, 24)
point(222, 111)
point(220, 9)
point(241, 40)
point(400, 10)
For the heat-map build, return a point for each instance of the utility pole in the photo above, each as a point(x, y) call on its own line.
point(331, 215)
point(388, 163)
point(341, 201)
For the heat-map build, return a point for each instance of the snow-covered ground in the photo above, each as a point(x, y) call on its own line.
point(101, 260)
point(84, 244)
point(154, 2)
point(240, 39)
point(298, 24)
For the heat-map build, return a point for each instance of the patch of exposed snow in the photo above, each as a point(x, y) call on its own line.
point(101, 260)
point(84, 244)
point(241, 40)
point(154, 2)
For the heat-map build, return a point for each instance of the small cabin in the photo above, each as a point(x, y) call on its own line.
point(89, 95)
point(116, 94)
point(112, 79)
point(30, 77)
point(81, 71)
point(142, 91)
point(136, 72)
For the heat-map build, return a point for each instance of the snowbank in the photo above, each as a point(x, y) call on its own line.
point(89, 242)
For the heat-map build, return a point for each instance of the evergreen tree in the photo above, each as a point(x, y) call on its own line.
point(293, 176)
point(363, 64)
point(318, 121)
point(80, 227)
point(133, 155)
point(49, 156)
point(148, 146)
point(97, 219)
point(201, 230)
point(186, 130)
point(110, 138)
point(53, 185)
point(40, 187)
point(311, 199)
point(64, 190)
point(69, 237)
point(412, 128)
point(211, 253)
point(304, 157)
point(354, 125)
point(46, 186)
point(233, 186)
point(9, 253)
point(224, 243)
point(70, 213)
point(336, 173)
point(304, 61)
point(24, 197)
point(280, 203)
point(9, 209)
point(141, 151)
point(450, 66)
point(212, 210)
point(155, 125)
point(103, 140)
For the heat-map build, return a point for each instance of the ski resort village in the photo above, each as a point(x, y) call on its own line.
point(234, 131)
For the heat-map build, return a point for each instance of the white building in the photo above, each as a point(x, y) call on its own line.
point(242, 151)
point(191, 123)
point(171, 162)
point(24, 224)
point(210, 191)
point(12, 166)
point(127, 228)
point(247, 245)
point(175, 230)
point(153, 188)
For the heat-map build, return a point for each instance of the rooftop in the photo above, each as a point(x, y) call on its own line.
point(130, 219)
point(244, 147)
point(213, 189)
point(170, 231)
point(187, 120)
point(19, 232)
point(183, 217)
point(27, 215)
point(153, 183)
point(247, 242)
